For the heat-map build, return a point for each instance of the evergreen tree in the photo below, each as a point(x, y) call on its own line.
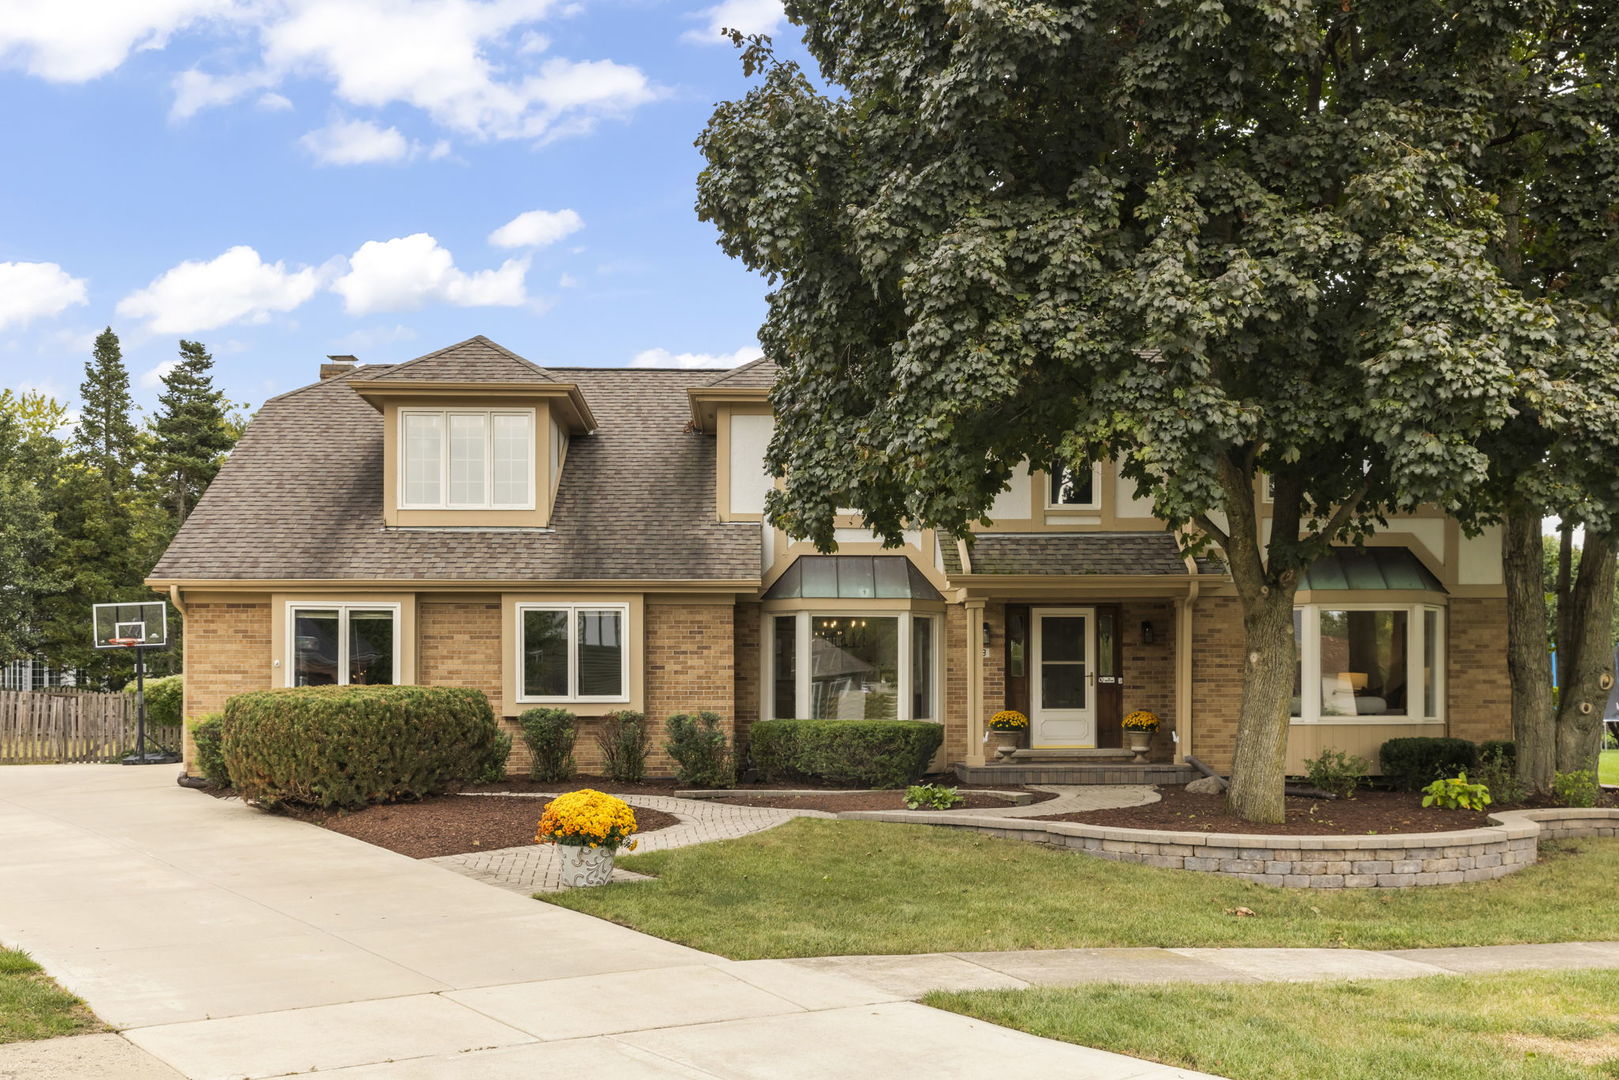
point(191, 433)
point(106, 437)
point(29, 453)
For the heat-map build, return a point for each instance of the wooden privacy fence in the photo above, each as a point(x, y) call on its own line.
point(60, 726)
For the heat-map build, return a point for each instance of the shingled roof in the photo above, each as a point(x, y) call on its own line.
point(475, 360)
point(301, 496)
point(759, 374)
point(1115, 553)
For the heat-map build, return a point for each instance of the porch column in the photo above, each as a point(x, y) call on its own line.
point(975, 682)
point(1183, 675)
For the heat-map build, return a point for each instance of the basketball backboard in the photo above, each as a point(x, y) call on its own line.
point(119, 626)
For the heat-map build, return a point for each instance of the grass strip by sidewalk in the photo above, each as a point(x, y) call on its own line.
point(815, 887)
point(34, 1007)
point(1518, 1026)
point(1608, 768)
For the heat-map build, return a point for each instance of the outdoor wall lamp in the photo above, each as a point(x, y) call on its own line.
point(1146, 632)
point(986, 635)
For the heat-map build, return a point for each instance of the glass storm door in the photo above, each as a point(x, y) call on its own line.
point(1063, 694)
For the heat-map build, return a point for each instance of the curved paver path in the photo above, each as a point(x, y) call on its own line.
point(532, 868)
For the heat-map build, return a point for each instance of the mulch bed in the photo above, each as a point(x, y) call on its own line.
point(869, 800)
point(453, 824)
point(669, 786)
point(1369, 812)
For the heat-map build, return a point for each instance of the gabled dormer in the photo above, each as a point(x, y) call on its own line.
point(734, 407)
point(473, 436)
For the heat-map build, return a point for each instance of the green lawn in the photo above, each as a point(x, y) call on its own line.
point(34, 1007)
point(1608, 767)
point(815, 887)
point(1521, 1026)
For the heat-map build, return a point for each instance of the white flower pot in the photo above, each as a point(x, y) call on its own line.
point(583, 866)
point(1138, 742)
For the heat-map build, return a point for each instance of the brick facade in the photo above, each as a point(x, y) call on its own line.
point(1149, 670)
point(1478, 690)
point(690, 666)
point(227, 651)
point(747, 662)
point(1216, 679)
point(458, 644)
point(956, 658)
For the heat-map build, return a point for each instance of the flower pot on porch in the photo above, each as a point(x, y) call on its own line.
point(582, 866)
point(1138, 743)
point(998, 745)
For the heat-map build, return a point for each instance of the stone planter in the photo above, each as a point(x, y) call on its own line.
point(582, 866)
point(1138, 743)
point(998, 745)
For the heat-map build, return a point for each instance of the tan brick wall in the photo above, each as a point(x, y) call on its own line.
point(458, 644)
point(227, 651)
point(1149, 670)
point(955, 661)
point(1478, 692)
point(690, 665)
point(746, 628)
point(1216, 679)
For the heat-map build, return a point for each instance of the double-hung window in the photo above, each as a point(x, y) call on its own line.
point(573, 652)
point(466, 459)
point(343, 645)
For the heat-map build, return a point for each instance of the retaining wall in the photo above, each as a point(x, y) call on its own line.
point(1394, 861)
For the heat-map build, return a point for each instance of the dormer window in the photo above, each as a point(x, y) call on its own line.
point(1073, 487)
point(466, 459)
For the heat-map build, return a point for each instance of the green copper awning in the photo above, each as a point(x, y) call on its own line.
point(853, 577)
point(1384, 568)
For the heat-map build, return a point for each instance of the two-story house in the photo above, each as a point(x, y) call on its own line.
point(593, 538)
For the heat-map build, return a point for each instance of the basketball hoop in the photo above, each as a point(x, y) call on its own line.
point(123, 642)
point(138, 627)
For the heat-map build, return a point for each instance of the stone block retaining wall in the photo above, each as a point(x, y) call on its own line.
point(1308, 862)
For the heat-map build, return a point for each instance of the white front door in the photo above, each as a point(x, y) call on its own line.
point(1063, 690)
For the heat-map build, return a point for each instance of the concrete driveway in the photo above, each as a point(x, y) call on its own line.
point(223, 942)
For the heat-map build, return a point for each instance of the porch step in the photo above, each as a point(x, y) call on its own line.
point(1038, 772)
point(1089, 756)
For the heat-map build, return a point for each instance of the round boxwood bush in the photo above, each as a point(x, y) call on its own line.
point(859, 753)
point(349, 746)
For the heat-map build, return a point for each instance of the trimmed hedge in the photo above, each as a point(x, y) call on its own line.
point(701, 749)
point(1412, 764)
point(208, 733)
point(859, 753)
point(349, 746)
point(165, 699)
point(549, 734)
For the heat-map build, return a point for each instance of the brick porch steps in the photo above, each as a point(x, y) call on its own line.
point(1071, 772)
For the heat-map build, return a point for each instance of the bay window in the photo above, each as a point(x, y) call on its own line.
point(343, 645)
point(853, 665)
point(466, 459)
point(573, 652)
point(1368, 663)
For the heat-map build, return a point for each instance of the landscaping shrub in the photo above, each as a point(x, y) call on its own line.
point(1498, 771)
point(624, 740)
point(1577, 789)
point(932, 797)
point(494, 766)
point(550, 734)
point(859, 753)
point(1336, 772)
point(701, 750)
point(208, 733)
point(1411, 764)
point(349, 746)
point(165, 699)
point(1503, 749)
point(1456, 793)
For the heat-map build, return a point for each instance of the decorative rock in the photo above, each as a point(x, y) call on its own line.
point(1206, 785)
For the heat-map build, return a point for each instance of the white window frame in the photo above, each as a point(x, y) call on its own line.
point(573, 610)
point(342, 607)
point(1310, 654)
point(801, 658)
point(444, 502)
point(1096, 489)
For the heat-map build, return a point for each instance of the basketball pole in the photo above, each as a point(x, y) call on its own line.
point(140, 703)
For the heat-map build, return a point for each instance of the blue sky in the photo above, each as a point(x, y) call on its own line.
point(283, 179)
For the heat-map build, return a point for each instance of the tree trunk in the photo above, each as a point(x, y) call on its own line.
point(1563, 633)
point(1258, 769)
point(1588, 668)
point(1528, 663)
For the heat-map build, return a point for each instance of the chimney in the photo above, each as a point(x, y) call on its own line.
point(337, 366)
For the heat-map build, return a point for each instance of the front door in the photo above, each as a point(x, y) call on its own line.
point(1062, 692)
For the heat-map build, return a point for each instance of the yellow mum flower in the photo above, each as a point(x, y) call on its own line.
point(586, 818)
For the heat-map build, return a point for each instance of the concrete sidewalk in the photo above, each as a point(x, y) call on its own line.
point(230, 943)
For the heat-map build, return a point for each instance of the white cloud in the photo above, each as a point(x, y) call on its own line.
point(274, 102)
point(84, 39)
point(409, 271)
point(537, 228)
point(356, 142)
point(238, 286)
point(32, 290)
point(568, 281)
point(663, 358)
point(151, 380)
point(748, 16)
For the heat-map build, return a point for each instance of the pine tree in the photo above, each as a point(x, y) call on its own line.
point(106, 437)
point(191, 433)
point(28, 456)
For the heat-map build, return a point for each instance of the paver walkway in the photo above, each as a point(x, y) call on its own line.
point(533, 868)
point(230, 943)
